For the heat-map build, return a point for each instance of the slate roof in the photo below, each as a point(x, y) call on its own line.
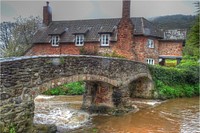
point(92, 29)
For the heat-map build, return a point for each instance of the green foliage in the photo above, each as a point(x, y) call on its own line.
point(173, 76)
point(62, 60)
point(74, 88)
point(182, 81)
point(190, 68)
point(56, 91)
point(192, 42)
point(12, 129)
point(188, 61)
point(13, 49)
point(170, 63)
point(185, 90)
point(94, 130)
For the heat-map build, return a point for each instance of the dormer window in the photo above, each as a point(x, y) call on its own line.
point(55, 40)
point(150, 43)
point(105, 39)
point(79, 40)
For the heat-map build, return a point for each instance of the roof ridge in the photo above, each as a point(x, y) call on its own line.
point(86, 19)
point(93, 19)
point(142, 25)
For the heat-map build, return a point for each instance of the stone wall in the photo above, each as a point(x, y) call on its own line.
point(22, 79)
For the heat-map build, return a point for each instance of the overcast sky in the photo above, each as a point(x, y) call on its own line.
point(92, 9)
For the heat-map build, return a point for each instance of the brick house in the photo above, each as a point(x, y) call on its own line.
point(134, 38)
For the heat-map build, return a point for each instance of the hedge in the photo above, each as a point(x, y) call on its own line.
point(182, 81)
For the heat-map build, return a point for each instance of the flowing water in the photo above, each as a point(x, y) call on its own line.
point(172, 116)
point(62, 111)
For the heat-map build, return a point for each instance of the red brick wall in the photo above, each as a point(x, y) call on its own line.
point(124, 45)
point(69, 48)
point(47, 15)
point(43, 49)
point(48, 49)
point(143, 52)
point(125, 38)
point(170, 48)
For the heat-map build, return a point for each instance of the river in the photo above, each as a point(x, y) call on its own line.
point(171, 116)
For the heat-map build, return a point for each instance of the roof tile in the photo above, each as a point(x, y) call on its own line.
point(91, 28)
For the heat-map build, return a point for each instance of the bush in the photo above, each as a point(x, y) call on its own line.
point(56, 91)
point(75, 88)
point(182, 81)
point(174, 76)
point(178, 91)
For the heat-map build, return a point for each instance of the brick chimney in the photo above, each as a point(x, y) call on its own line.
point(47, 14)
point(125, 36)
point(126, 9)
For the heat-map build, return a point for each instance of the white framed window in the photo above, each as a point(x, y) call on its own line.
point(150, 61)
point(150, 43)
point(105, 39)
point(79, 41)
point(55, 40)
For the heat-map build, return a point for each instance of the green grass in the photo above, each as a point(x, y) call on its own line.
point(170, 63)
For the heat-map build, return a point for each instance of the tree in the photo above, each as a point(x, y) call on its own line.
point(192, 42)
point(5, 34)
point(20, 36)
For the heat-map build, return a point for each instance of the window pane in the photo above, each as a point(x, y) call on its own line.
point(55, 40)
point(79, 40)
point(105, 39)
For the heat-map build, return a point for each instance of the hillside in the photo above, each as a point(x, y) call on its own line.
point(174, 21)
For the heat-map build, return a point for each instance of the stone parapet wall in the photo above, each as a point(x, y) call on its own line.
point(32, 71)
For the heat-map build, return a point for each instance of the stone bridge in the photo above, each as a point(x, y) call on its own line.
point(110, 82)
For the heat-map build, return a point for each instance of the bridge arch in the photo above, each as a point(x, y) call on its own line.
point(141, 88)
point(39, 89)
point(22, 79)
